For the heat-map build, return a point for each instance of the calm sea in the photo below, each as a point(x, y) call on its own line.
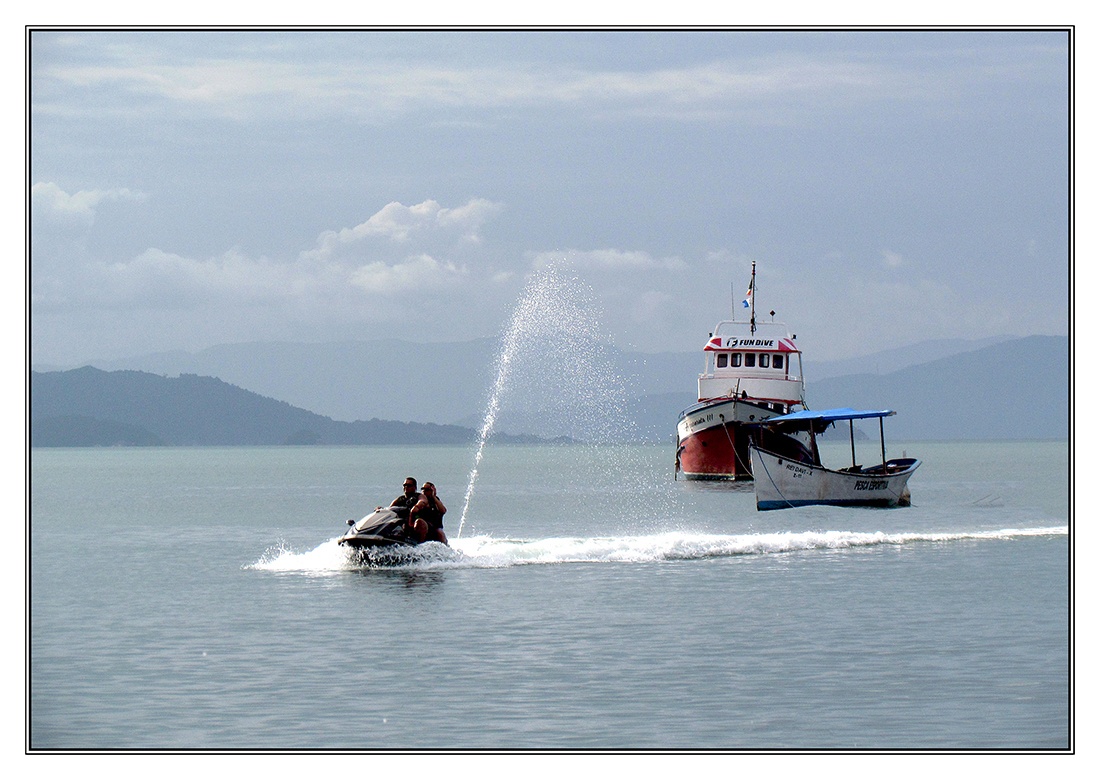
point(196, 598)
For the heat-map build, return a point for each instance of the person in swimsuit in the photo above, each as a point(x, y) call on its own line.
point(426, 517)
point(409, 498)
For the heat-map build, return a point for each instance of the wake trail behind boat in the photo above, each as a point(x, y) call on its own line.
point(489, 552)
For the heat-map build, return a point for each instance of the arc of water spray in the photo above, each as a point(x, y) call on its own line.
point(555, 312)
point(503, 364)
point(509, 344)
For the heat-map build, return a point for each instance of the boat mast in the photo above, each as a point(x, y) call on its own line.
point(752, 300)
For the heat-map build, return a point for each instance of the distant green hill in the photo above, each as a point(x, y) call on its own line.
point(89, 407)
point(80, 431)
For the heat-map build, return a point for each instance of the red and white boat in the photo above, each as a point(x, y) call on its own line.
point(752, 372)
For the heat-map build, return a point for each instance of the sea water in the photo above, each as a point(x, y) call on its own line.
point(195, 598)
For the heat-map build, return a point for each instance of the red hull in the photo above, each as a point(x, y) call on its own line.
point(720, 452)
point(714, 440)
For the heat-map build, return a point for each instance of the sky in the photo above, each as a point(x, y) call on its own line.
point(189, 189)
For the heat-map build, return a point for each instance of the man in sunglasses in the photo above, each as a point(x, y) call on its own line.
point(409, 498)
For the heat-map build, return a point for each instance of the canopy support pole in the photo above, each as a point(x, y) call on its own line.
point(882, 441)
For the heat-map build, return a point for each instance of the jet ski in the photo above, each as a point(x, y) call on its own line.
point(384, 527)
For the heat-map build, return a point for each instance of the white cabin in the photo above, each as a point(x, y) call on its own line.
point(762, 364)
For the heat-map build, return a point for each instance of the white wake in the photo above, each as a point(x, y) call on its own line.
point(491, 552)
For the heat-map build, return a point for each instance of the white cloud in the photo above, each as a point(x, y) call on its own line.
point(892, 259)
point(636, 289)
point(414, 249)
point(156, 278)
point(349, 83)
point(52, 202)
point(834, 316)
point(909, 113)
point(427, 222)
point(653, 306)
point(415, 273)
point(609, 260)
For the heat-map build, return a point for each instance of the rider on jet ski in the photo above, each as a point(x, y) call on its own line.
point(409, 498)
point(426, 516)
point(412, 518)
point(424, 520)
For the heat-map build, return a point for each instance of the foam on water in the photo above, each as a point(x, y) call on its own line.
point(479, 552)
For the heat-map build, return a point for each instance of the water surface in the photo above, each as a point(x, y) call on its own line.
point(195, 598)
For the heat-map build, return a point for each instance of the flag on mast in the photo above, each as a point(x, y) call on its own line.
point(748, 295)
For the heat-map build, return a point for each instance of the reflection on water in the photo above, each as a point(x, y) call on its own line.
point(412, 579)
point(716, 485)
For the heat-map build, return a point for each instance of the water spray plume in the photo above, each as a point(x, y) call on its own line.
point(509, 343)
point(555, 370)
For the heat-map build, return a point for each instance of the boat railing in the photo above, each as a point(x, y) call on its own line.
point(752, 373)
point(892, 466)
point(707, 402)
point(693, 409)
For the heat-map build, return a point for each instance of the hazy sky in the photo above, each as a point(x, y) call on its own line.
point(198, 188)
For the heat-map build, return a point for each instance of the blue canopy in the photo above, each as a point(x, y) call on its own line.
point(830, 415)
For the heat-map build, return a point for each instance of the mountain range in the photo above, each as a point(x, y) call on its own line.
point(363, 379)
point(1008, 388)
point(90, 407)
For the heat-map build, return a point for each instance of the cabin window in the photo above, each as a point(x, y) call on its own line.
point(735, 360)
point(777, 361)
point(764, 360)
point(750, 360)
point(722, 360)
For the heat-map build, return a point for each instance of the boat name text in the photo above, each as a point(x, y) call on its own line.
point(871, 484)
point(700, 421)
point(734, 342)
point(798, 472)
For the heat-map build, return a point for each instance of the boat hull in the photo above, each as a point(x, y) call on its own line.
point(712, 442)
point(782, 483)
point(362, 542)
point(713, 439)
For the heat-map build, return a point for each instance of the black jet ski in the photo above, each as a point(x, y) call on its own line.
point(384, 527)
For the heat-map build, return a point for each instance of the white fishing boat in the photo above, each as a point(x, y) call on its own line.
point(751, 371)
point(782, 481)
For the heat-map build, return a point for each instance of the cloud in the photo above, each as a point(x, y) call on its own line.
point(425, 222)
point(415, 273)
point(609, 260)
point(51, 202)
point(638, 288)
point(192, 118)
point(892, 259)
point(160, 279)
point(397, 251)
point(294, 79)
point(156, 278)
point(653, 305)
